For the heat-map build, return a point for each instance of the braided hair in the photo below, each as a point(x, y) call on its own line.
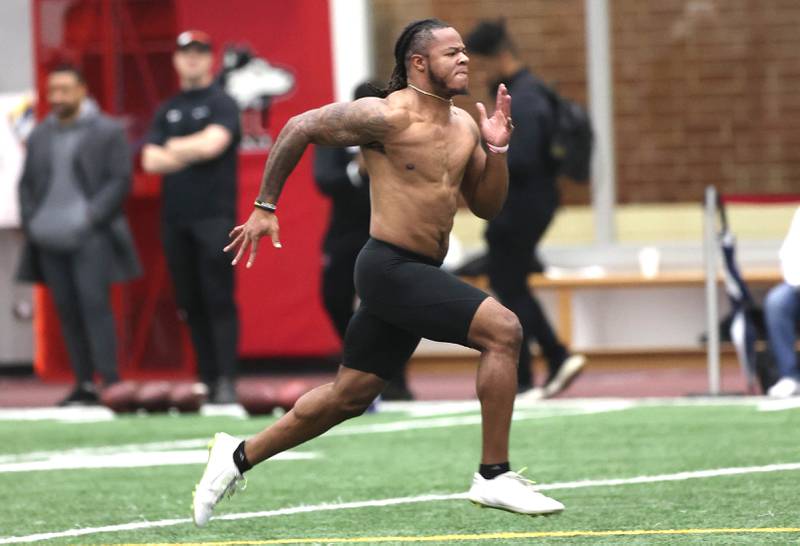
point(414, 39)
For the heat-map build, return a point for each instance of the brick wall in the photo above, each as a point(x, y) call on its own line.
point(548, 33)
point(705, 91)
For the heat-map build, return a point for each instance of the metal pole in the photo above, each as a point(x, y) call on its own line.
point(601, 108)
point(710, 258)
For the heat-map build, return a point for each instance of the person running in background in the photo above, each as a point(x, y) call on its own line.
point(533, 198)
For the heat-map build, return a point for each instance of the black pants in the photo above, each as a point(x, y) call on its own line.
point(338, 288)
point(80, 283)
point(204, 279)
point(510, 251)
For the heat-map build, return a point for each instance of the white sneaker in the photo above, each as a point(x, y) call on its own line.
point(531, 395)
point(219, 478)
point(567, 373)
point(784, 388)
point(510, 491)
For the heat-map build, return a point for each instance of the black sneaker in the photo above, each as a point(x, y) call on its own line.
point(82, 395)
point(396, 392)
point(224, 392)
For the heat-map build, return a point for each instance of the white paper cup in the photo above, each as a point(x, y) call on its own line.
point(649, 261)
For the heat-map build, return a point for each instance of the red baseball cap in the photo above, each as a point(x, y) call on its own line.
point(194, 38)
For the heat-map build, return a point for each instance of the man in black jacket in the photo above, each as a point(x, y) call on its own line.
point(533, 198)
point(341, 175)
point(193, 142)
point(77, 174)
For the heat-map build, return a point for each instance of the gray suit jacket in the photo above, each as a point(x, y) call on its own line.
point(103, 167)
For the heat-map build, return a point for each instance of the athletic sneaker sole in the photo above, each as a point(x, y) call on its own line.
point(507, 509)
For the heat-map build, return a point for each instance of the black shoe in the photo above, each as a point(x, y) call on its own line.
point(224, 392)
point(82, 395)
point(524, 387)
point(396, 392)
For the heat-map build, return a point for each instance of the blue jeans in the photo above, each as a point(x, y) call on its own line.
point(782, 311)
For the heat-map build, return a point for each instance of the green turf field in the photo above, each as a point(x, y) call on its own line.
point(420, 461)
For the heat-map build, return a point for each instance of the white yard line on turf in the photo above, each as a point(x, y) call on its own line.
point(131, 460)
point(106, 450)
point(423, 408)
point(419, 408)
point(430, 408)
point(680, 476)
point(440, 422)
point(92, 414)
point(779, 405)
point(346, 430)
point(436, 408)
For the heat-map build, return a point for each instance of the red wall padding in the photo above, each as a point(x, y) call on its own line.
point(279, 301)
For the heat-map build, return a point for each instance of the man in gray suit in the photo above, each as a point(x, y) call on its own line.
point(77, 174)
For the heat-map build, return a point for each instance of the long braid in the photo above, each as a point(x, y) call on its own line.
point(408, 43)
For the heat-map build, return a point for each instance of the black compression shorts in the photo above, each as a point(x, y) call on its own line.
point(404, 297)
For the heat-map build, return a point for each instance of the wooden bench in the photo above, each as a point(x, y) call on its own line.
point(566, 285)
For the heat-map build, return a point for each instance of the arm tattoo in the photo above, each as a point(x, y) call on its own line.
point(348, 124)
point(342, 124)
point(283, 158)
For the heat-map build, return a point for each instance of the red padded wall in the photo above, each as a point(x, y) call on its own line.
point(125, 47)
point(279, 302)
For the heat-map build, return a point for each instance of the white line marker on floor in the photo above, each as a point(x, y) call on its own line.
point(416, 408)
point(779, 405)
point(680, 476)
point(346, 430)
point(131, 460)
point(106, 450)
point(91, 414)
point(440, 422)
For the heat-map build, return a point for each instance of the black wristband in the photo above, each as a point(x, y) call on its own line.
point(263, 205)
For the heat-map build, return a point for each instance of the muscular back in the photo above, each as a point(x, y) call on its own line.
point(416, 171)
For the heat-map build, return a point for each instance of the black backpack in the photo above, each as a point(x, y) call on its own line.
point(573, 139)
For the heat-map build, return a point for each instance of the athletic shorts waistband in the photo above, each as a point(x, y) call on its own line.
point(411, 255)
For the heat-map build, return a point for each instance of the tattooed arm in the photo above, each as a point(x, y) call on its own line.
point(342, 124)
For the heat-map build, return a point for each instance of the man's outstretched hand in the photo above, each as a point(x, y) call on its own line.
point(260, 224)
point(496, 130)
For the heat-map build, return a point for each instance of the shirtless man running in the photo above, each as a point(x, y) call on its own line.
point(421, 153)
